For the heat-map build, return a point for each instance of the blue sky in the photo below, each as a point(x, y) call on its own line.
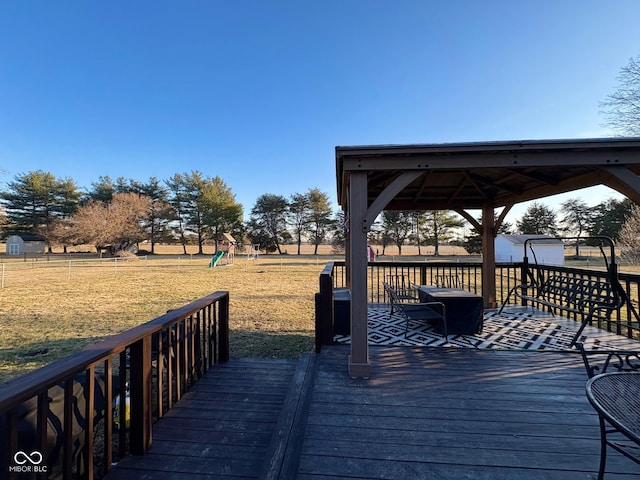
point(260, 92)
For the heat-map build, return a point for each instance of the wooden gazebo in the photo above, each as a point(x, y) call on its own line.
point(462, 177)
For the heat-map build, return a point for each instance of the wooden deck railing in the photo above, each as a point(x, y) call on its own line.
point(50, 417)
point(466, 275)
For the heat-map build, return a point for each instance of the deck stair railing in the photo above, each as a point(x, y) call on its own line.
point(50, 418)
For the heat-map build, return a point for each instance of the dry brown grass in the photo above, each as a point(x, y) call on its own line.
point(52, 307)
point(58, 307)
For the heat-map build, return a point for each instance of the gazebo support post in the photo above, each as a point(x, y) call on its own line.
point(359, 365)
point(488, 257)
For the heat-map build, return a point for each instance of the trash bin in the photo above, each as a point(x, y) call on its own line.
point(341, 311)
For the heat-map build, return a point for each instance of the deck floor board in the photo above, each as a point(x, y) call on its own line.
point(220, 429)
point(451, 413)
point(425, 413)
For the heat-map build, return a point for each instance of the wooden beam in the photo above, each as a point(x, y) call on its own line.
point(488, 257)
point(359, 365)
point(501, 218)
point(484, 160)
point(624, 181)
point(388, 194)
point(477, 226)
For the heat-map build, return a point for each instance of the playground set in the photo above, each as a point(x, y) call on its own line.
point(227, 246)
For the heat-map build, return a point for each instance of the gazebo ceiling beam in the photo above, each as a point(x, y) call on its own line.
point(529, 175)
point(586, 179)
point(423, 185)
point(492, 184)
point(473, 183)
point(456, 192)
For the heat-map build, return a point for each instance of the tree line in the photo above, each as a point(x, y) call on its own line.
point(188, 208)
point(191, 208)
point(574, 219)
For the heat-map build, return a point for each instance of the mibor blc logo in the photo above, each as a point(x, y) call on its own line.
point(28, 462)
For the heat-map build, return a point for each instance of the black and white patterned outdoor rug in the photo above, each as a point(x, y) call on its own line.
point(517, 329)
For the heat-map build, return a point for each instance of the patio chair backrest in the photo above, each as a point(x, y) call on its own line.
point(399, 282)
point(393, 295)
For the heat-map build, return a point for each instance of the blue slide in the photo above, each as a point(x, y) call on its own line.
point(216, 258)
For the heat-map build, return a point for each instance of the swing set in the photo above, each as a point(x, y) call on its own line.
point(573, 292)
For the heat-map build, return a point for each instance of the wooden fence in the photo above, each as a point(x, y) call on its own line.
point(52, 419)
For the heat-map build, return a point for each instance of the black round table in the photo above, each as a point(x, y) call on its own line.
point(616, 398)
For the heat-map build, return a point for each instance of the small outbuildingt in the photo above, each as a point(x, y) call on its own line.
point(25, 244)
point(541, 249)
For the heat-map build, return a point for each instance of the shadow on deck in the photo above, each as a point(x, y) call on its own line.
point(426, 413)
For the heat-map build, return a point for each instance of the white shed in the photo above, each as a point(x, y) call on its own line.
point(21, 244)
point(546, 250)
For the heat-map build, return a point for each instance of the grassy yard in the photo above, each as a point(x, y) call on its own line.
point(52, 308)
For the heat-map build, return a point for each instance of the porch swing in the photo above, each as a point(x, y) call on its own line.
point(574, 294)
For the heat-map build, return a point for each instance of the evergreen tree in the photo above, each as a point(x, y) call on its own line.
point(160, 212)
point(398, 225)
point(205, 207)
point(268, 222)
point(320, 221)
point(178, 200)
point(34, 201)
point(538, 219)
point(221, 212)
point(439, 226)
point(339, 231)
point(299, 212)
point(609, 217)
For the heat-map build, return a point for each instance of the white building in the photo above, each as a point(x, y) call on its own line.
point(544, 249)
point(21, 244)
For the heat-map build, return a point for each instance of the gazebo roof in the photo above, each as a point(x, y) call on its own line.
point(470, 175)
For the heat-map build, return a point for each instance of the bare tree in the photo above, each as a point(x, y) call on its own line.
point(622, 108)
point(116, 225)
point(576, 219)
point(629, 240)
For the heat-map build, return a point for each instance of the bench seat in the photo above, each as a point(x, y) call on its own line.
point(576, 295)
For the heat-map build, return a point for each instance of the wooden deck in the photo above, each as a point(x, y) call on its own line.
point(426, 413)
point(221, 428)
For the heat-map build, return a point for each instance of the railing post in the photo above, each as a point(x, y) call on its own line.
point(223, 329)
point(524, 271)
point(141, 407)
point(324, 311)
point(319, 320)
